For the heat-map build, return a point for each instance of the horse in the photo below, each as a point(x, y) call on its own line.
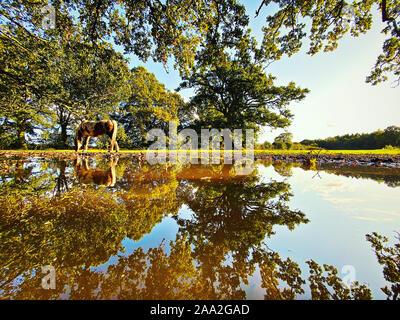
point(94, 129)
point(86, 175)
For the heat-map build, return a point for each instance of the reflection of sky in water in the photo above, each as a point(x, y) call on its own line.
point(167, 230)
point(341, 211)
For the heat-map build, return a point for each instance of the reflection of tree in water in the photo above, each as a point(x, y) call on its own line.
point(176, 274)
point(230, 220)
point(148, 192)
point(216, 251)
point(389, 258)
point(283, 168)
point(241, 212)
point(62, 180)
point(80, 228)
point(390, 176)
point(28, 177)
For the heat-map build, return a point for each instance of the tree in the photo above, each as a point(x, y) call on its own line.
point(149, 105)
point(146, 28)
point(23, 83)
point(266, 145)
point(392, 136)
point(90, 82)
point(283, 141)
point(375, 140)
point(232, 90)
point(53, 75)
point(330, 21)
point(74, 81)
point(284, 137)
point(71, 71)
point(389, 258)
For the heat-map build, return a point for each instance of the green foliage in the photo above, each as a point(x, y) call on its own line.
point(329, 22)
point(284, 137)
point(149, 105)
point(23, 106)
point(375, 140)
point(298, 146)
point(147, 28)
point(389, 258)
point(283, 141)
point(320, 285)
point(90, 83)
point(280, 145)
point(388, 147)
point(264, 146)
point(232, 90)
point(51, 79)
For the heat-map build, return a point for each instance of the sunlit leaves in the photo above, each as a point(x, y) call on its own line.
point(149, 105)
point(325, 23)
point(233, 90)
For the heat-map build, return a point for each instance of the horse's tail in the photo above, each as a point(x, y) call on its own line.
point(114, 135)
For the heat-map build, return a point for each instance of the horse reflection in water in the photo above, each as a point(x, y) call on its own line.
point(86, 175)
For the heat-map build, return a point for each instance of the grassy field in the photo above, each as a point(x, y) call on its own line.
point(360, 152)
point(278, 152)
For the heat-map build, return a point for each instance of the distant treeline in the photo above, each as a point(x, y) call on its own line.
point(390, 137)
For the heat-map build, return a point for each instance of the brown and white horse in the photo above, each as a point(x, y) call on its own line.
point(94, 129)
point(87, 176)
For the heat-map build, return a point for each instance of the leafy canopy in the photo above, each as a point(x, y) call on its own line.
point(330, 21)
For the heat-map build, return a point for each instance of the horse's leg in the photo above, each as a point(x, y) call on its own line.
point(78, 144)
point(116, 146)
point(116, 161)
point(112, 171)
point(111, 144)
point(86, 164)
point(77, 163)
point(86, 142)
point(114, 136)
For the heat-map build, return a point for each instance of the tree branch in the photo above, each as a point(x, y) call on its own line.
point(259, 9)
point(386, 18)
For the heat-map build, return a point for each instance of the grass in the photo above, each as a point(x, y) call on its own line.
point(279, 152)
point(360, 152)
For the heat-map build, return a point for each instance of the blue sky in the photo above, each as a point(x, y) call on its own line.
point(339, 101)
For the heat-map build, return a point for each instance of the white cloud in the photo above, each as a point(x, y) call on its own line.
point(372, 218)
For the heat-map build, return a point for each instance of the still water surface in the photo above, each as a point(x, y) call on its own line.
point(127, 230)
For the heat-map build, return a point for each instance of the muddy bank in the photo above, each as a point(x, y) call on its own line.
point(345, 159)
point(342, 159)
point(65, 154)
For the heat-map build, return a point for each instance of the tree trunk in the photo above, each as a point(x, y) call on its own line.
point(63, 136)
point(21, 143)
